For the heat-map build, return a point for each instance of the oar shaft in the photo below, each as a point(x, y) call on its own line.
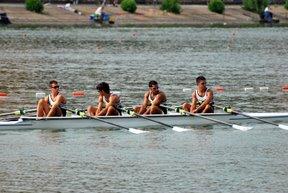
point(209, 118)
point(242, 128)
point(6, 114)
point(175, 128)
point(19, 112)
point(152, 120)
point(107, 122)
point(101, 120)
point(249, 116)
point(144, 117)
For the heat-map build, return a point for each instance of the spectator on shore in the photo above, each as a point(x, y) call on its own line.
point(268, 15)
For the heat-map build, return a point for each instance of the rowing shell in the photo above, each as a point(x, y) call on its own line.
point(76, 122)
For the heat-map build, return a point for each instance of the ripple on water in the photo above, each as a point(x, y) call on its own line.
point(201, 160)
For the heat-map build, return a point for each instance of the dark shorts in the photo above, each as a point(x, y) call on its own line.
point(64, 112)
point(164, 109)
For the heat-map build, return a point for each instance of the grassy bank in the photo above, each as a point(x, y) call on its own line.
point(145, 16)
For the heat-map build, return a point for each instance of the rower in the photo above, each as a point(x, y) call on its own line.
point(153, 98)
point(108, 102)
point(52, 105)
point(202, 98)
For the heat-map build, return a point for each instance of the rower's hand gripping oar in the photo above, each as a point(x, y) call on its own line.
point(229, 110)
point(19, 112)
point(82, 114)
point(242, 128)
point(175, 128)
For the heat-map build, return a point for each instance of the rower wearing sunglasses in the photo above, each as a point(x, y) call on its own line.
point(153, 98)
point(53, 104)
point(202, 98)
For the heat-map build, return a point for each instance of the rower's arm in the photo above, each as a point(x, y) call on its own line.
point(159, 99)
point(206, 102)
point(59, 100)
point(144, 104)
point(112, 102)
point(100, 104)
point(194, 103)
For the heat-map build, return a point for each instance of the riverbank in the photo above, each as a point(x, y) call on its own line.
point(146, 15)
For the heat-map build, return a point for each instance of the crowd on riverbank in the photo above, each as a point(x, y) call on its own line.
point(146, 15)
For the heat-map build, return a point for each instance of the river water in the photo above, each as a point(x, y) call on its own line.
point(201, 160)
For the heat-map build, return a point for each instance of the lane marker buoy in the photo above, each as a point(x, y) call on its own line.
point(40, 95)
point(285, 88)
point(263, 88)
point(248, 89)
point(78, 93)
point(187, 89)
point(3, 95)
point(219, 88)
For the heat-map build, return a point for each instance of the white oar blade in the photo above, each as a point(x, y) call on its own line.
point(137, 131)
point(283, 126)
point(242, 128)
point(179, 129)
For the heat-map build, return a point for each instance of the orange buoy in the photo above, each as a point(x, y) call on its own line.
point(78, 93)
point(3, 94)
point(285, 88)
point(219, 88)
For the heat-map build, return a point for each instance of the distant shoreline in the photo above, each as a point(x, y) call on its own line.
point(145, 16)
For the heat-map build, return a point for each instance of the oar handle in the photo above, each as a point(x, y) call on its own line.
point(76, 111)
point(227, 109)
point(175, 108)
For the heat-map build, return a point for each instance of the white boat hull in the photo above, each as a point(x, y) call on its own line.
point(27, 123)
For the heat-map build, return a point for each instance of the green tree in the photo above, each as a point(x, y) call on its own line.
point(171, 6)
point(286, 4)
point(256, 6)
point(34, 5)
point(129, 5)
point(217, 6)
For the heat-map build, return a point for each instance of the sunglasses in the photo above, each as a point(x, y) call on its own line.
point(154, 87)
point(54, 87)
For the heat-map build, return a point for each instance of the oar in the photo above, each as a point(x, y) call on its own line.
point(242, 128)
point(229, 110)
point(132, 130)
point(19, 112)
point(175, 128)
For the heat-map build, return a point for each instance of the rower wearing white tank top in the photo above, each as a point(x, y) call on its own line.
point(108, 103)
point(52, 105)
point(153, 99)
point(202, 98)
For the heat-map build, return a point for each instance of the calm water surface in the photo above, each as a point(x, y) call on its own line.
point(202, 160)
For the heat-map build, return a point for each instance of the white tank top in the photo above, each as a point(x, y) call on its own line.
point(50, 101)
point(117, 105)
point(151, 100)
point(201, 99)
